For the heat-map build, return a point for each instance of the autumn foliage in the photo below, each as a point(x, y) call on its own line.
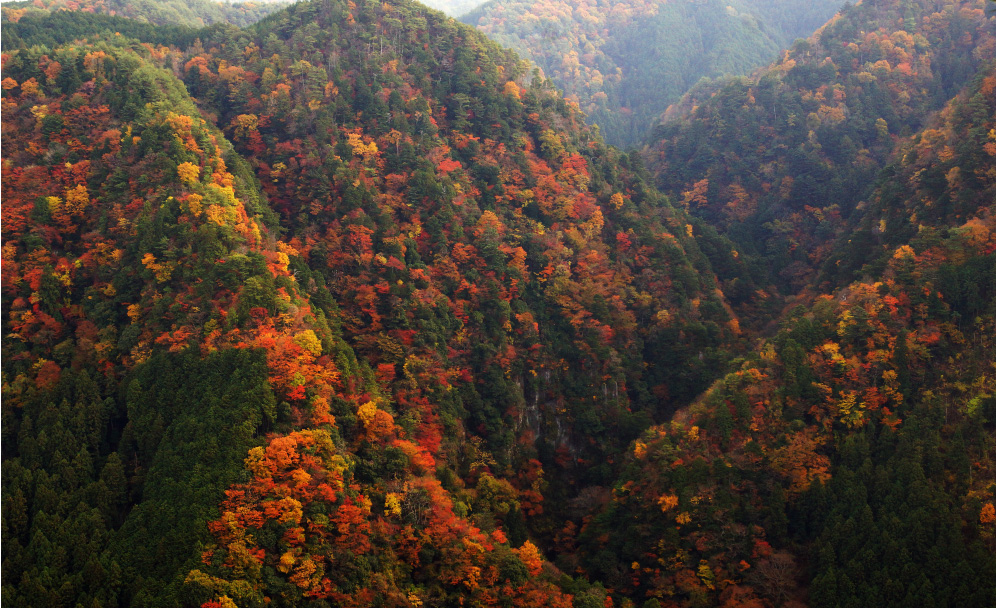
point(348, 309)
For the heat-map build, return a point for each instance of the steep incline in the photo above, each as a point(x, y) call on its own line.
point(626, 61)
point(785, 161)
point(520, 242)
point(859, 439)
point(346, 309)
point(150, 322)
point(510, 288)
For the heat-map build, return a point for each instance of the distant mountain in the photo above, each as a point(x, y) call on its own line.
point(193, 13)
point(785, 161)
point(626, 61)
point(454, 8)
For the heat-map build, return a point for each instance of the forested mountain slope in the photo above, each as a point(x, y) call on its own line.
point(346, 308)
point(849, 461)
point(626, 61)
point(126, 238)
point(785, 161)
point(192, 13)
point(414, 289)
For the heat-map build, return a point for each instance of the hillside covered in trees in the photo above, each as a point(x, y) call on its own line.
point(625, 61)
point(192, 13)
point(350, 308)
point(437, 285)
point(784, 162)
point(849, 461)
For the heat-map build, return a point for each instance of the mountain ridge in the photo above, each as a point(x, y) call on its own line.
point(204, 277)
point(779, 161)
point(625, 62)
point(397, 328)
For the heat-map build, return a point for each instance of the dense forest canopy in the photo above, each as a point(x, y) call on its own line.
point(784, 162)
point(350, 307)
point(625, 61)
point(193, 13)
